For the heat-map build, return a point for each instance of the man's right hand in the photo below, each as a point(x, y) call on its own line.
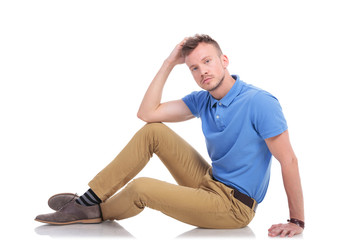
point(175, 56)
point(151, 108)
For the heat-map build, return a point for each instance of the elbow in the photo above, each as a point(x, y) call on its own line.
point(289, 162)
point(144, 117)
point(294, 160)
point(141, 116)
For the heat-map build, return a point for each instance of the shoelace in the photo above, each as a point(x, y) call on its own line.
point(72, 199)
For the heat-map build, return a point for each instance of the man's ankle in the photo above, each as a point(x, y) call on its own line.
point(89, 198)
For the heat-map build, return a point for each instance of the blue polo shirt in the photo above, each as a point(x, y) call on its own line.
point(235, 129)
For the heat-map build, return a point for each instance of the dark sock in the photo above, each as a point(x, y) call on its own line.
point(88, 199)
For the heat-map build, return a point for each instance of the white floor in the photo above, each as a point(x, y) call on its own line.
point(151, 224)
point(151, 230)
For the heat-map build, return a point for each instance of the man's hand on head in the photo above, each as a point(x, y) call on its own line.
point(175, 56)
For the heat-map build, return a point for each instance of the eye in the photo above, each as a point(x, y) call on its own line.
point(207, 61)
point(194, 69)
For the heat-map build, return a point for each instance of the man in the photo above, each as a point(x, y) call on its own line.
point(243, 126)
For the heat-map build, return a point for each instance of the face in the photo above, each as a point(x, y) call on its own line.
point(207, 67)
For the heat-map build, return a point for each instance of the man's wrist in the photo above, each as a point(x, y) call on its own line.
point(297, 222)
point(169, 64)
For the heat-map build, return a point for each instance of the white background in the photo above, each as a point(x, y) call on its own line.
point(73, 74)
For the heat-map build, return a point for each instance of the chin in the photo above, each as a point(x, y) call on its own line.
point(215, 86)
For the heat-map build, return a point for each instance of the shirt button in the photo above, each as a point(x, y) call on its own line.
point(217, 116)
point(220, 103)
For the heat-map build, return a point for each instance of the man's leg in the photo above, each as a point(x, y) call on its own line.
point(184, 163)
point(199, 200)
point(209, 206)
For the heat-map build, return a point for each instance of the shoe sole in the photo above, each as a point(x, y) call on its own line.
point(93, 220)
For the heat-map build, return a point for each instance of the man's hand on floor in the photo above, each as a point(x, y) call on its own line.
point(284, 230)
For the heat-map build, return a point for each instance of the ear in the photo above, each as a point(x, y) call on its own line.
point(224, 61)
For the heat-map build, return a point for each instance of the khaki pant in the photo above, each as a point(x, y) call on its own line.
point(198, 199)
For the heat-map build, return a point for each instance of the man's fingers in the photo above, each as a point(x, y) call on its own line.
point(291, 234)
point(284, 233)
point(275, 231)
point(283, 230)
point(183, 42)
point(274, 226)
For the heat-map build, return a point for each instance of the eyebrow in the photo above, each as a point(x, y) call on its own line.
point(200, 60)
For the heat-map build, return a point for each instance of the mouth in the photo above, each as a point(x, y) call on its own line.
point(205, 80)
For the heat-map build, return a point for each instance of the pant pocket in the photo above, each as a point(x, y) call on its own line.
point(241, 212)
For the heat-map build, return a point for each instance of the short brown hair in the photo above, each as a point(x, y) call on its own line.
point(192, 42)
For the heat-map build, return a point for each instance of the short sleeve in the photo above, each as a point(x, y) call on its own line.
point(267, 115)
point(195, 102)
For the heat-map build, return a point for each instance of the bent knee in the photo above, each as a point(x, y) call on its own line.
point(153, 129)
point(139, 185)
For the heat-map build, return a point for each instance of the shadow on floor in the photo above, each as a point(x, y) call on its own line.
point(104, 229)
point(114, 229)
point(245, 232)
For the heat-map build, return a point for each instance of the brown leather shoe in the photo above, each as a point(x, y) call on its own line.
point(71, 213)
point(57, 201)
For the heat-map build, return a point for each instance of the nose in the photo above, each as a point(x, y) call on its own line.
point(203, 71)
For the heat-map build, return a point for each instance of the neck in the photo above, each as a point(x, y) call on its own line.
point(224, 88)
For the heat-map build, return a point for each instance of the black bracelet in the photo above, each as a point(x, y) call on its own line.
point(297, 222)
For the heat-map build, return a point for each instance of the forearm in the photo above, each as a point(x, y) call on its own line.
point(292, 184)
point(281, 148)
point(152, 97)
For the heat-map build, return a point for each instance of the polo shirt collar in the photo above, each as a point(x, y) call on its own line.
point(231, 95)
